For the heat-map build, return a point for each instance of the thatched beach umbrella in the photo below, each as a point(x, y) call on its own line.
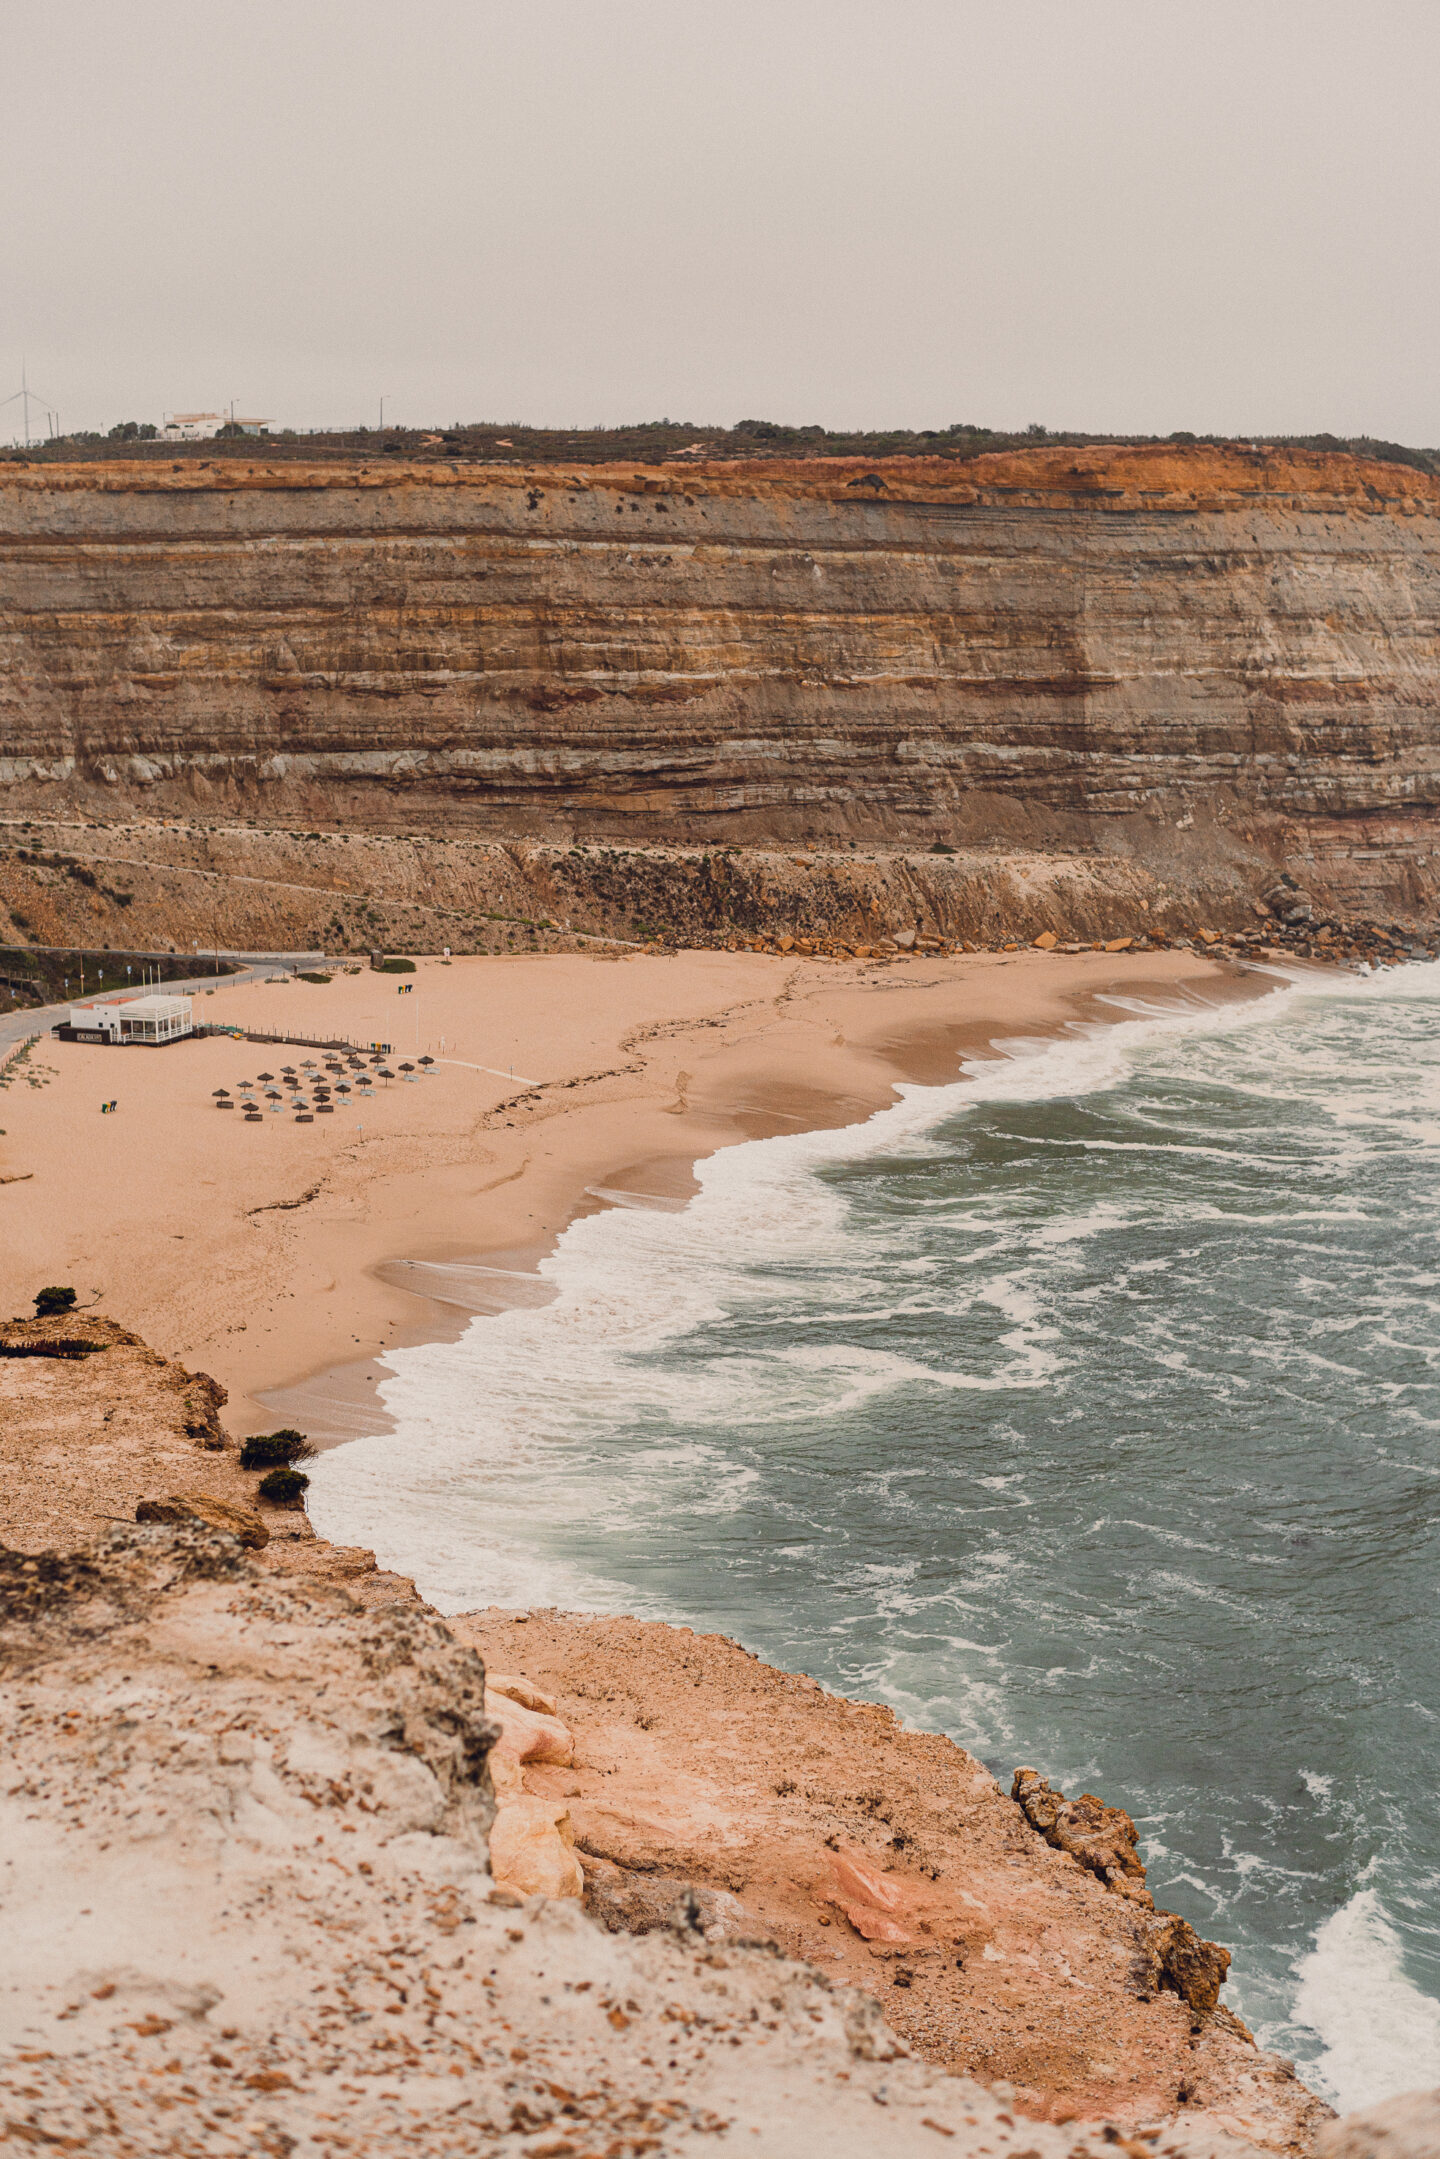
point(427, 1063)
point(266, 1077)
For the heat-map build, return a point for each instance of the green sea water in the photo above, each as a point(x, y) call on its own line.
point(1087, 1410)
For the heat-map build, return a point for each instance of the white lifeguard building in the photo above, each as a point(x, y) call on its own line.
point(149, 1017)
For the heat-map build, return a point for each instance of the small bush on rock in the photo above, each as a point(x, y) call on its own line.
point(274, 1450)
point(50, 1301)
point(284, 1487)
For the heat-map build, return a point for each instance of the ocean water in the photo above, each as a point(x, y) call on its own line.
point(1087, 1410)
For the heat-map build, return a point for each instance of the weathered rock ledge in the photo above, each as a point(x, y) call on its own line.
point(887, 1857)
point(247, 1909)
point(93, 1423)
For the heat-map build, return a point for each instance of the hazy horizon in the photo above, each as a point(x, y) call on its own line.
point(1112, 217)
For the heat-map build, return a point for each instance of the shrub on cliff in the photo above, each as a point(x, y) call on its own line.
point(50, 1301)
point(284, 1487)
point(275, 1450)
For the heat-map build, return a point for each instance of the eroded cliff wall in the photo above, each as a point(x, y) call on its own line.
point(1045, 647)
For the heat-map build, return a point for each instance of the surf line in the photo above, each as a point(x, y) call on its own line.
point(493, 1070)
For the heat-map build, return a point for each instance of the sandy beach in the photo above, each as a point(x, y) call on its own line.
point(267, 1255)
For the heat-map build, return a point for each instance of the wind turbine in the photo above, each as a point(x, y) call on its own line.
point(25, 397)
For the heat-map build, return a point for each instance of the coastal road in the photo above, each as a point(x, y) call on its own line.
point(253, 967)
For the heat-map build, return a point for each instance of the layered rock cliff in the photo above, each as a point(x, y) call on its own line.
point(1054, 647)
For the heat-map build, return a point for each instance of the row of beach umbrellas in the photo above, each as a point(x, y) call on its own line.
point(304, 1087)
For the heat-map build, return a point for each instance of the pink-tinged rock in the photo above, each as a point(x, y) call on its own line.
point(519, 1689)
point(873, 1925)
point(532, 1850)
point(865, 1884)
point(525, 1736)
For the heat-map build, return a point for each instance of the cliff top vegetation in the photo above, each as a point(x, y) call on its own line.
point(659, 441)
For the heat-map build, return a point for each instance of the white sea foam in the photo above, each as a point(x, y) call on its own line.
point(450, 1495)
point(1379, 2033)
point(552, 1436)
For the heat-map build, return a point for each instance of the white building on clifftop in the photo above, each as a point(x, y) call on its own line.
point(201, 426)
point(191, 426)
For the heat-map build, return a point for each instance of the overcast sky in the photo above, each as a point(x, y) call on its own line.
point(1136, 215)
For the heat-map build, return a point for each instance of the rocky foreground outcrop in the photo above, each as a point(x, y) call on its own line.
point(1147, 647)
point(679, 1763)
point(247, 1909)
point(96, 1427)
point(284, 1870)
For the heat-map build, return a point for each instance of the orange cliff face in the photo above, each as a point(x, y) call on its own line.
point(1069, 642)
